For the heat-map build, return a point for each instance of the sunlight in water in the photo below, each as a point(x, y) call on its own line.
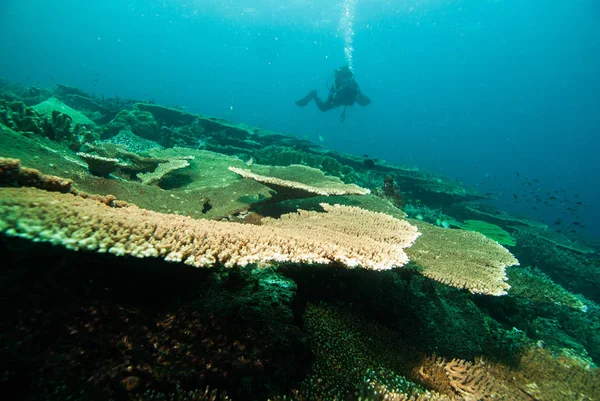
point(347, 29)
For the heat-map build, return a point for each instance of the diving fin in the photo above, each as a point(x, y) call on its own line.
point(306, 99)
point(363, 100)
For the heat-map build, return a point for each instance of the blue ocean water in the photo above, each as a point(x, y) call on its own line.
point(502, 94)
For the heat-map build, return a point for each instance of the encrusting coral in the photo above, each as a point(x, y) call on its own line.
point(86, 224)
point(13, 174)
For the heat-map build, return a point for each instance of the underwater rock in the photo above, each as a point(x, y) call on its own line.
point(31, 95)
point(96, 111)
point(275, 155)
point(186, 136)
point(167, 116)
point(498, 217)
point(556, 238)
point(491, 231)
point(53, 105)
point(62, 90)
point(141, 123)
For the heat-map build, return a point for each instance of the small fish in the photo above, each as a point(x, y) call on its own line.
point(517, 175)
point(534, 208)
point(552, 198)
point(576, 223)
point(515, 196)
point(321, 138)
point(578, 203)
point(557, 223)
point(250, 161)
point(577, 195)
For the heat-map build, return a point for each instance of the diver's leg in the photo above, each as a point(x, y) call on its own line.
point(363, 100)
point(306, 99)
point(324, 105)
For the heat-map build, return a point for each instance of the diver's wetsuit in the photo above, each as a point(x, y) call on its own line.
point(343, 92)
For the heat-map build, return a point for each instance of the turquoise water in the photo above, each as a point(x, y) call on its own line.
point(477, 90)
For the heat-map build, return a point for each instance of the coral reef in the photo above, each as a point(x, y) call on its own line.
point(53, 105)
point(162, 170)
point(138, 330)
point(80, 224)
point(281, 314)
point(141, 123)
point(491, 231)
point(296, 181)
point(13, 91)
point(356, 359)
point(17, 116)
point(462, 259)
point(12, 174)
point(533, 285)
point(284, 156)
point(574, 271)
point(100, 166)
point(167, 116)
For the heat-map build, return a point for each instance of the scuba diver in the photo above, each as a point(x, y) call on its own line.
point(343, 92)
